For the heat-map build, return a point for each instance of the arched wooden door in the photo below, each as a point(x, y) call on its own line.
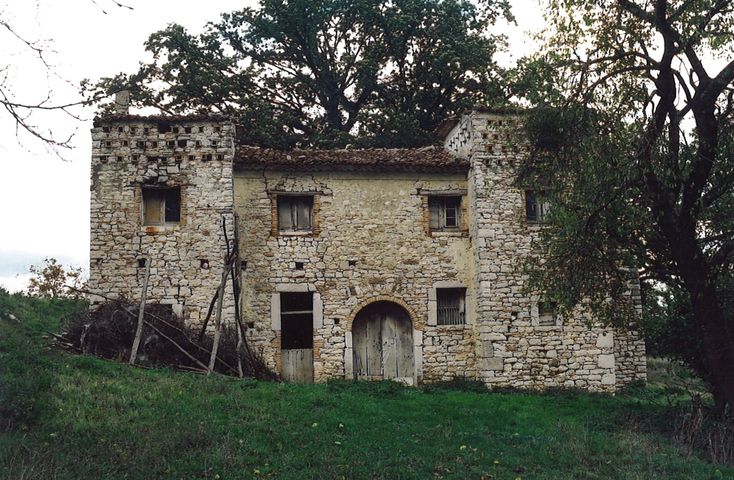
point(382, 339)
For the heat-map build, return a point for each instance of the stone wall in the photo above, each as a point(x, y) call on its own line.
point(512, 349)
point(187, 258)
point(371, 244)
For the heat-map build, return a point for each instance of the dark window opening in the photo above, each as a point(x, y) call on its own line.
point(296, 320)
point(444, 212)
point(295, 213)
point(536, 208)
point(352, 263)
point(299, 265)
point(161, 205)
point(141, 262)
point(204, 263)
point(547, 312)
point(451, 306)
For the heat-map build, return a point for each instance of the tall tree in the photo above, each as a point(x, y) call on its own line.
point(322, 72)
point(638, 162)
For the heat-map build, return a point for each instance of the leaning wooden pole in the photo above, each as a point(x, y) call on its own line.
point(141, 314)
point(218, 318)
point(237, 289)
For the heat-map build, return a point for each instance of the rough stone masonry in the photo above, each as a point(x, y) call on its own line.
point(398, 263)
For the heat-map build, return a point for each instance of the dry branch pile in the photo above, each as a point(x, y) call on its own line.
point(109, 330)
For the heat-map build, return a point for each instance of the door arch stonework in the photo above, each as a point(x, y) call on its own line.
point(414, 319)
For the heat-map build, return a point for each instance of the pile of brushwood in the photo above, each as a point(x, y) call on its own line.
point(108, 331)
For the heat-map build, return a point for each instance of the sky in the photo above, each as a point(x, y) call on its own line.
point(44, 195)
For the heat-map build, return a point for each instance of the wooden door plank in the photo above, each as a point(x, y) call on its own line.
point(297, 365)
point(359, 347)
point(389, 345)
point(373, 359)
point(406, 363)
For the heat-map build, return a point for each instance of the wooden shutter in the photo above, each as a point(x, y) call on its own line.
point(152, 207)
point(285, 213)
point(303, 213)
point(434, 209)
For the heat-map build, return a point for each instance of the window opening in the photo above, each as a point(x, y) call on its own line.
point(295, 213)
point(444, 212)
point(296, 319)
point(161, 205)
point(451, 304)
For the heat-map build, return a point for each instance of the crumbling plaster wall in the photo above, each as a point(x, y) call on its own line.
point(193, 155)
point(375, 220)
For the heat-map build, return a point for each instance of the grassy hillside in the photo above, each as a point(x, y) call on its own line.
point(79, 417)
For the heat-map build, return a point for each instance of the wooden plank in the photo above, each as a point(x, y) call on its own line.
point(218, 318)
point(389, 345)
point(406, 360)
point(141, 313)
point(373, 346)
point(359, 349)
point(297, 365)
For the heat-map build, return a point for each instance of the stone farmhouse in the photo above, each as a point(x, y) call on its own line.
point(367, 264)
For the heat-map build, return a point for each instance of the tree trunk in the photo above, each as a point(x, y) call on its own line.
point(712, 322)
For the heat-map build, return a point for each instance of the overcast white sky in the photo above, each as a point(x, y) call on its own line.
point(44, 200)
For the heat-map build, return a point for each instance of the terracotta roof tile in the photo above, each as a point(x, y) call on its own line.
point(427, 159)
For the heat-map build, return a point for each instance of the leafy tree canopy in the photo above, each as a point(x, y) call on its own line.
point(330, 72)
point(634, 144)
point(52, 279)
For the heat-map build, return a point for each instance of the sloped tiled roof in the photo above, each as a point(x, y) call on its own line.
point(427, 159)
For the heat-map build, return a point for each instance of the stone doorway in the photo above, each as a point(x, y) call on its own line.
point(382, 338)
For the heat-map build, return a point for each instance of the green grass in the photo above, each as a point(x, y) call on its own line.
point(81, 417)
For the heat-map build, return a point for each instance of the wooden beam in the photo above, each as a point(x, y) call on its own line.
point(141, 314)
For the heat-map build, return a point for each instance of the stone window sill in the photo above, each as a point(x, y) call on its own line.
point(296, 234)
point(460, 326)
point(449, 233)
point(157, 229)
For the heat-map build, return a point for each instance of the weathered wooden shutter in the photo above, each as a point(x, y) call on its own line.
point(304, 213)
point(434, 209)
point(152, 207)
point(285, 213)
